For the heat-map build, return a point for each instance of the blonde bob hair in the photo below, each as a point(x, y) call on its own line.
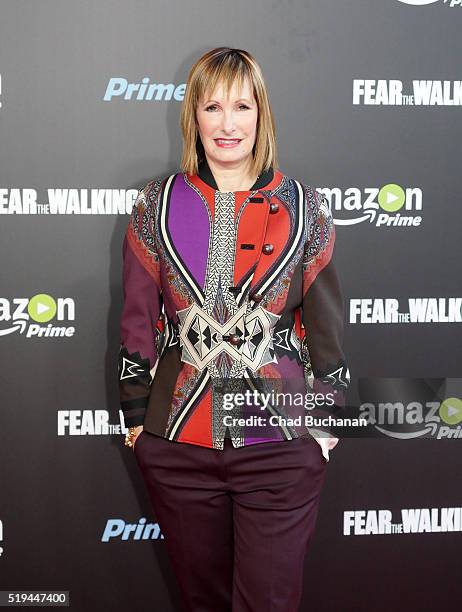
point(224, 65)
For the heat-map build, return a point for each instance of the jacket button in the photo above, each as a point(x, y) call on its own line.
point(268, 249)
point(257, 297)
point(234, 339)
point(274, 208)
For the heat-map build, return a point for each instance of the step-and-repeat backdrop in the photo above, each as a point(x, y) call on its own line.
point(367, 99)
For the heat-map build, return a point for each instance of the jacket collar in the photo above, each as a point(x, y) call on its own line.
point(206, 175)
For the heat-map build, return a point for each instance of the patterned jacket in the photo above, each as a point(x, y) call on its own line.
point(228, 292)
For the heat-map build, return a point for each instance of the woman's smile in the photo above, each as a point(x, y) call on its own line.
point(227, 142)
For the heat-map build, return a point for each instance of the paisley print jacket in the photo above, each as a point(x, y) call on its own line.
point(230, 292)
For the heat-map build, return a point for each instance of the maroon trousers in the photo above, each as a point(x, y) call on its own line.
point(237, 522)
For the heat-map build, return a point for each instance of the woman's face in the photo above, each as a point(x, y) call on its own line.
point(228, 126)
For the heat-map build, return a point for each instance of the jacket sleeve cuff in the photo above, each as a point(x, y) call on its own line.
point(134, 411)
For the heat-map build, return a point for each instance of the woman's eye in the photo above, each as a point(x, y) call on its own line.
point(213, 106)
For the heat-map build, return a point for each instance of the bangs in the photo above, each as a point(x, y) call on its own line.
point(226, 71)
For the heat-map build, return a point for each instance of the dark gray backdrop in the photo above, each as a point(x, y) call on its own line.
point(62, 486)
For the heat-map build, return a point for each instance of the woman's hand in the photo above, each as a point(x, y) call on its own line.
point(332, 443)
point(138, 430)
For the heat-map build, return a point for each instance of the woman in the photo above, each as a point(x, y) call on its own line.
point(232, 297)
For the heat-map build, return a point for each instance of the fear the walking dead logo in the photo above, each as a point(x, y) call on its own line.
point(25, 201)
point(395, 92)
point(412, 520)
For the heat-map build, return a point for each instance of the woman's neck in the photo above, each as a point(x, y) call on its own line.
point(232, 179)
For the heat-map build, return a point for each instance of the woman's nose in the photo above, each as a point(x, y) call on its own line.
point(228, 121)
